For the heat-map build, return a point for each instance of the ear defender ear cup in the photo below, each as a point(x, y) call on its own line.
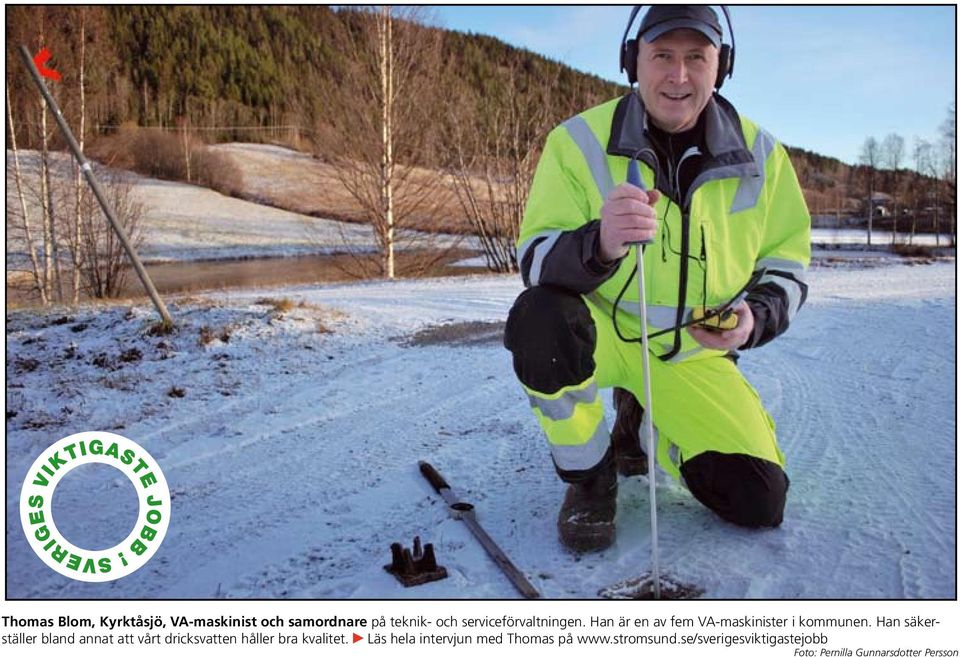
point(723, 66)
point(628, 59)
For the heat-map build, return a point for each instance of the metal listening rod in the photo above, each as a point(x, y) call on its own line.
point(633, 177)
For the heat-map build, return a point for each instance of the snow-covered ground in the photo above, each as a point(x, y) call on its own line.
point(291, 454)
point(858, 237)
point(187, 222)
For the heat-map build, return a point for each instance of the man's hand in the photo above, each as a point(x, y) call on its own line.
point(627, 216)
point(727, 340)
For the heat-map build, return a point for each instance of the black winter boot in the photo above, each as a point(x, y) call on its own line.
point(631, 459)
point(586, 520)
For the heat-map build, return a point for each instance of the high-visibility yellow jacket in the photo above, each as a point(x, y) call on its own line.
point(744, 212)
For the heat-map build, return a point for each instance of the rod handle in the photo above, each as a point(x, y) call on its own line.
point(431, 475)
point(633, 177)
point(633, 173)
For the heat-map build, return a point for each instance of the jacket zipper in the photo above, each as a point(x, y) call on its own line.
point(703, 259)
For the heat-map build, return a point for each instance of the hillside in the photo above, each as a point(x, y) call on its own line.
point(262, 66)
point(298, 75)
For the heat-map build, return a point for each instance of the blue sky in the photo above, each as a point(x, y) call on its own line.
point(821, 78)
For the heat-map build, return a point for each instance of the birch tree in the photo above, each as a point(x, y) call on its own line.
point(492, 158)
point(870, 158)
point(79, 186)
point(893, 153)
point(51, 251)
point(922, 151)
point(25, 222)
point(378, 124)
point(948, 146)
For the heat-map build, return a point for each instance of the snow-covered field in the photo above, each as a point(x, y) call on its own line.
point(183, 222)
point(291, 454)
point(187, 222)
point(858, 237)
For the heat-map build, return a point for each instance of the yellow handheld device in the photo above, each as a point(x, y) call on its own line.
point(714, 319)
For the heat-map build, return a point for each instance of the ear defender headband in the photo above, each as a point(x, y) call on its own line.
point(630, 48)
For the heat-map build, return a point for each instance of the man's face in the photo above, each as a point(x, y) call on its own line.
point(675, 75)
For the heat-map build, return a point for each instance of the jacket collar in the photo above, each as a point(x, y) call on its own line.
point(723, 135)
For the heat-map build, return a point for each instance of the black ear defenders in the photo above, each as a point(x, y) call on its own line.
point(630, 48)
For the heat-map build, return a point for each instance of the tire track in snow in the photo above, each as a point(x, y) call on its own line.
point(410, 479)
point(348, 477)
point(925, 527)
point(869, 454)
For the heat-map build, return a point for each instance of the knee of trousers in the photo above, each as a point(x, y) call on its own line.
point(742, 489)
point(552, 337)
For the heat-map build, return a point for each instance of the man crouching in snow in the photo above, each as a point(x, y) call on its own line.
point(721, 201)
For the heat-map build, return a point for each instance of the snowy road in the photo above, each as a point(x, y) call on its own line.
point(292, 454)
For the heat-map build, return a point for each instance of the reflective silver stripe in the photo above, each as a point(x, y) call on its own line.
point(791, 287)
point(658, 317)
point(585, 456)
point(593, 153)
point(527, 243)
point(674, 454)
point(748, 193)
point(683, 355)
point(661, 317)
point(743, 170)
point(673, 450)
point(780, 264)
point(562, 407)
point(540, 252)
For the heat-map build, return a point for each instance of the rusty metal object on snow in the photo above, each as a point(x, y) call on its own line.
point(417, 568)
point(464, 511)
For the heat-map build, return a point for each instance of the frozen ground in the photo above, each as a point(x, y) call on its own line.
point(291, 455)
point(854, 237)
point(187, 222)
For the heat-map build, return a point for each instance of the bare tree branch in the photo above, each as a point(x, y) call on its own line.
point(375, 117)
point(25, 224)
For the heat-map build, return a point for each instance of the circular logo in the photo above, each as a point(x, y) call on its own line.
point(36, 502)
